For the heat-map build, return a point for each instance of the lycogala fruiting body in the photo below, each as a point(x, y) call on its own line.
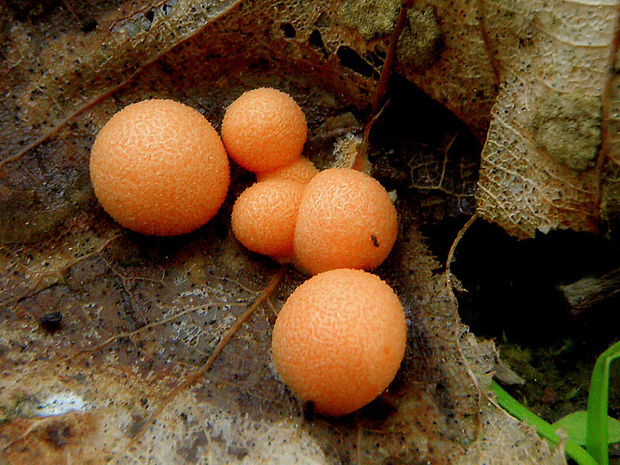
point(339, 340)
point(264, 130)
point(158, 167)
point(346, 219)
point(264, 215)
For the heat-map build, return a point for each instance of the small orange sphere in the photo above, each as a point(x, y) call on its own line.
point(263, 217)
point(158, 167)
point(264, 130)
point(302, 170)
point(346, 219)
point(339, 340)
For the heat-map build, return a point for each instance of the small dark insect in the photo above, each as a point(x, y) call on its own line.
point(374, 240)
point(51, 322)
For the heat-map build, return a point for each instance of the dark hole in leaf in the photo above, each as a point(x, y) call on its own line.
point(349, 58)
point(168, 7)
point(288, 30)
point(513, 286)
point(150, 15)
point(316, 40)
point(427, 154)
point(379, 53)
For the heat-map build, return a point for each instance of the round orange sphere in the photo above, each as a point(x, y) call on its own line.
point(158, 167)
point(263, 217)
point(346, 219)
point(264, 130)
point(339, 340)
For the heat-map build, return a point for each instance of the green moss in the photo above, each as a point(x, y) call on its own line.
point(370, 17)
point(568, 128)
point(520, 360)
point(420, 41)
point(556, 376)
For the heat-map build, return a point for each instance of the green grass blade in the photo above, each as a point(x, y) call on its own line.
point(598, 398)
point(544, 429)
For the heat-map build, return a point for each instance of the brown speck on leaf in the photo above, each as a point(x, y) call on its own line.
point(57, 434)
point(51, 322)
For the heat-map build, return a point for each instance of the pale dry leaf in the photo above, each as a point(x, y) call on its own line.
point(542, 161)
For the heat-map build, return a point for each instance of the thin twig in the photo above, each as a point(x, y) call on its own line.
point(457, 321)
point(390, 59)
point(358, 445)
point(458, 238)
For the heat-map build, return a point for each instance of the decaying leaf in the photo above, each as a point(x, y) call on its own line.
point(542, 162)
point(141, 315)
point(549, 73)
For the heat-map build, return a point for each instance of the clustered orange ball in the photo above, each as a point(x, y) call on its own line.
point(340, 337)
point(158, 167)
point(264, 130)
point(346, 219)
point(264, 215)
point(301, 170)
point(339, 340)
